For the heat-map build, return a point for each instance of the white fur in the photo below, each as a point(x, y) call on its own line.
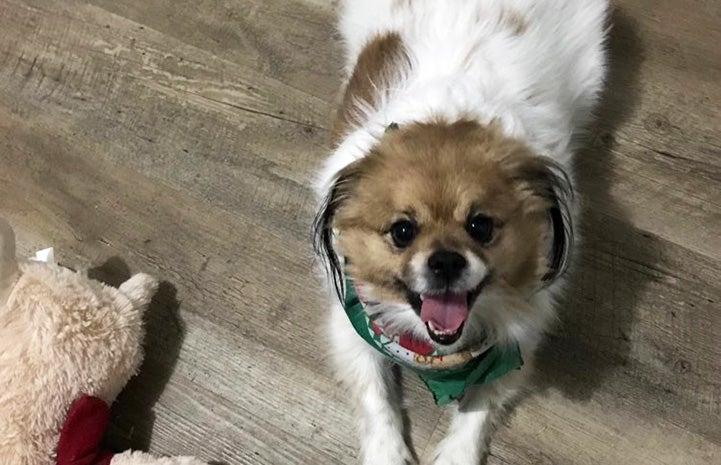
point(467, 61)
point(372, 391)
point(540, 85)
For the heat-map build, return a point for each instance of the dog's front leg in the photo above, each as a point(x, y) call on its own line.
point(474, 418)
point(368, 376)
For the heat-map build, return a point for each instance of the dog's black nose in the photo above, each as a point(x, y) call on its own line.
point(446, 265)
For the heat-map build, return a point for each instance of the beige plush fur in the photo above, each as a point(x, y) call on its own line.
point(62, 335)
point(141, 458)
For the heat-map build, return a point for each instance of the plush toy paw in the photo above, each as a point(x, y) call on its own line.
point(141, 458)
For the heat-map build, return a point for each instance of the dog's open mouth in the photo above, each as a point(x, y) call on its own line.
point(445, 314)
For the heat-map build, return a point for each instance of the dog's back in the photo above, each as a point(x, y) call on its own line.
point(535, 65)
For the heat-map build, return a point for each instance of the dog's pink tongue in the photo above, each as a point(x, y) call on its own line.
point(447, 311)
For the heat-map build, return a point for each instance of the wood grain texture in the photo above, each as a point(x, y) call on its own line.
point(180, 137)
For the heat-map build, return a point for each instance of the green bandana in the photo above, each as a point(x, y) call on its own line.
point(446, 376)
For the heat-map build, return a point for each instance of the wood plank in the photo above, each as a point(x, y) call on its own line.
point(649, 162)
point(292, 41)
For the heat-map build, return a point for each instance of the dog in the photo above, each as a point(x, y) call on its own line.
point(447, 213)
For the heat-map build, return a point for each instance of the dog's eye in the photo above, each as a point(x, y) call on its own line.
point(480, 227)
point(403, 232)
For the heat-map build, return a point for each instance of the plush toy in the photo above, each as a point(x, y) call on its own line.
point(68, 345)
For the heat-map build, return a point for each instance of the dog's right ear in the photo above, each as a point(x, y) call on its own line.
point(548, 181)
point(340, 191)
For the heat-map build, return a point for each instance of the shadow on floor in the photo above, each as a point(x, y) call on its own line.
point(597, 310)
point(132, 415)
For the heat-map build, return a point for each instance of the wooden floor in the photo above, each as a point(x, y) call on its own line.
point(179, 138)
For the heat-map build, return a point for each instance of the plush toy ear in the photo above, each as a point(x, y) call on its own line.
point(8, 263)
point(140, 290)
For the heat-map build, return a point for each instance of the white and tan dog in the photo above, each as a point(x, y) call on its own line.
point(447, 203)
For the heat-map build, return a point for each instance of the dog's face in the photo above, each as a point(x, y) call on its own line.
point(438, 214)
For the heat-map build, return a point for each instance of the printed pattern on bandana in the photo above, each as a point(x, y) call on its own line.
point(410, 350)
point(447, 376)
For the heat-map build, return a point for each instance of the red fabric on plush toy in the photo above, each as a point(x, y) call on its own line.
point(80, 436)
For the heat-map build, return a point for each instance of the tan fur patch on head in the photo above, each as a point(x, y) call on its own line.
point(437, 175)
point(381, 62)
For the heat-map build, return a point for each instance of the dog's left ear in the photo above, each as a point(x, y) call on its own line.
point(341, 189)
point(547, 181)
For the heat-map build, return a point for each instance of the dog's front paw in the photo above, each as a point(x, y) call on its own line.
point(454, 452)
point(387, 450)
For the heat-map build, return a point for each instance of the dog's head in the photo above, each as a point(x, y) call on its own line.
point(438, 214)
